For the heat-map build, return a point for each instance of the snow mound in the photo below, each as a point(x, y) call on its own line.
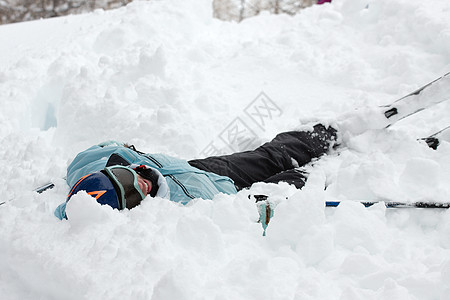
point(168, 77)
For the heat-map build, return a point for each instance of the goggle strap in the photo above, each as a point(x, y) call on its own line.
point(119, 190)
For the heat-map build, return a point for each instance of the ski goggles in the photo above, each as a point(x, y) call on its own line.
point(125, 182)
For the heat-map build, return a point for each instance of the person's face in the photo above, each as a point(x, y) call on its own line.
point(144, 184)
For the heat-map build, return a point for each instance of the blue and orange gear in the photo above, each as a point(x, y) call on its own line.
point(98, 186)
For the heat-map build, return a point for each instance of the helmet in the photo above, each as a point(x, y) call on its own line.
point(98, 186)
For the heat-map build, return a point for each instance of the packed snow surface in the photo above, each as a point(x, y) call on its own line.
point(167, 77)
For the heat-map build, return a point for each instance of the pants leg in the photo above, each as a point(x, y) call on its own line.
point(274, 157)
point(292, 176)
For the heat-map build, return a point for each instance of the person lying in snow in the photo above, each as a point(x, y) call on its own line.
point(120, 176)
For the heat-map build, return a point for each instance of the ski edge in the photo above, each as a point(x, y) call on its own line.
point(418, 91)
point(391, 112)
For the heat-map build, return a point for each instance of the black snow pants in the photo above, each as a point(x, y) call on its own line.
point(274, 161)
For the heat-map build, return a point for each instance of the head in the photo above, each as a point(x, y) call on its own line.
point(120, 186)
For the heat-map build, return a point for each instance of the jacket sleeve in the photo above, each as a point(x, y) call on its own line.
point(110, 143)
point(60, 211)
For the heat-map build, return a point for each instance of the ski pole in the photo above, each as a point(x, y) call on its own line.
point(43, 188)
point(395, 204)
point(39, 190)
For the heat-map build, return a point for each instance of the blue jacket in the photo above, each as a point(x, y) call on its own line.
point(185, 181)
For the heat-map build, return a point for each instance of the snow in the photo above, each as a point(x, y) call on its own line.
point(167, 77)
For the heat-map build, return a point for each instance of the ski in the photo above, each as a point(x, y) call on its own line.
point(432, 93)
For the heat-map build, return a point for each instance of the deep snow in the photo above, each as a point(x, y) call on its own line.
point(167, 77)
